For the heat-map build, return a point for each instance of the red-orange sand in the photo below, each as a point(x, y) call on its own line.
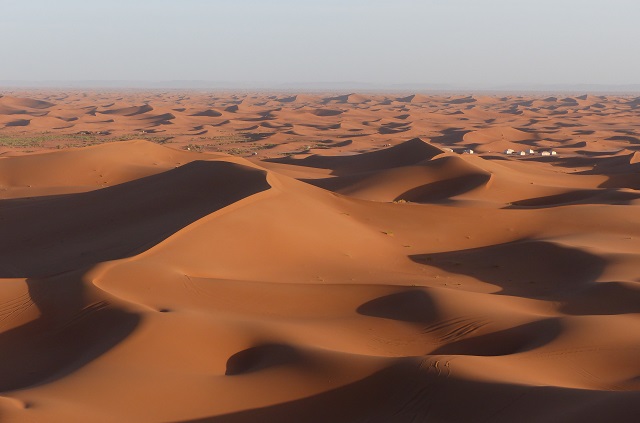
point(354, 269)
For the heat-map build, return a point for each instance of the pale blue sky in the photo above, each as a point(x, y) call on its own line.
point(463, 42)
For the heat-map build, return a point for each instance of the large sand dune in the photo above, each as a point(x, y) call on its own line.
point(358, 268)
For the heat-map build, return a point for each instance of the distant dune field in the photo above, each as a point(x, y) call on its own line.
point(198, 257)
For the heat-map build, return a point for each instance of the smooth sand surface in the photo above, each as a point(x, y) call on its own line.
point(359, 267)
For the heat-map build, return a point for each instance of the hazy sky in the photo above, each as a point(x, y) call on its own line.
point(464, 42)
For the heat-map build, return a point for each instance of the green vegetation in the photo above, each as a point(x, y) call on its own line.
point(234, 138)
point(240, 137)
point(265, 146)
point(73, 140)
point(249, 142)
point(158, 139)
point(238, 151)
point(22, 141)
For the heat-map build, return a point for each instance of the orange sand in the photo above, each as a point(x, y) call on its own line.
point(354, 269)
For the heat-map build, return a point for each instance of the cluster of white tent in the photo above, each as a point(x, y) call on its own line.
point(510, 151)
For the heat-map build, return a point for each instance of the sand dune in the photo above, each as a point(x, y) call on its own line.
point(242, 124)
point(29, 103)
point(342, 273)
point(409, 152)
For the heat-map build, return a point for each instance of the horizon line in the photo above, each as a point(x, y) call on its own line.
point(198, 84)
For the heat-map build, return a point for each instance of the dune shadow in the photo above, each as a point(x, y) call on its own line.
point(414, 306)
point(261, 357)
point(443, 190)
point(326, 112)
point(629, 179)
point(129, 111)
point(404, 154)
point(321, 127)
point(528, 268)
point(338, 99)
point(462, 100)
point(405, 393)
point(207, 113)
point(514, 340)
point(594, 154)
point(388, 130)
point(69, 332)
point(590, 196)
point(629, 139)
point(451, 136)
point(567, 162)
point(372, 399)
point(18, 122)
point(44, 236)
point(290, 99)
point(52, 241)
point(604, 298)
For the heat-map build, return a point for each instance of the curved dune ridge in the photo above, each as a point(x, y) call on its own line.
point(142, 282)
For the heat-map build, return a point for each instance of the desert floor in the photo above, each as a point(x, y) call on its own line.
point(199, 257)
